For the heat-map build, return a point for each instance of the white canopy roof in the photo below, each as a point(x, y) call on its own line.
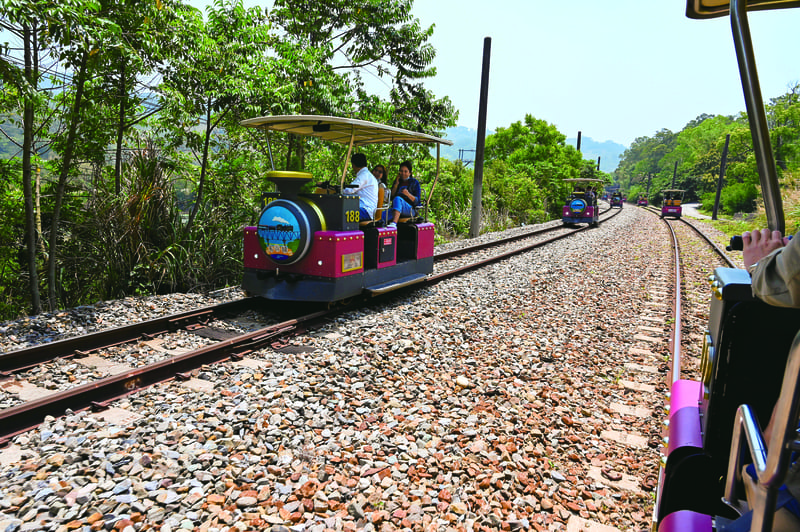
point(342, 130)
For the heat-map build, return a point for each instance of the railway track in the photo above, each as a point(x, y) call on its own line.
point(696, 255)
point(528, 391)
point(225, 341)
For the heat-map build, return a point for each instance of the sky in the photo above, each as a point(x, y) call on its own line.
point(614, 70)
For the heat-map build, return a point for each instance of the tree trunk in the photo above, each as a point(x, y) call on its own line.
point(37, 193)
point(66, 163)
point(120, 129)
point(203, 165)
point(27, 148)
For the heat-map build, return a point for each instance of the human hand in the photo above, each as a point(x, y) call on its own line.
point(758, 244)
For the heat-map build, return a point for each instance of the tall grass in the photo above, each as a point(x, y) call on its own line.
point(790, 195)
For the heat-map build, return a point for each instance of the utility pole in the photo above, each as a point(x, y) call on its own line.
point(477, 185)
point(722, 166)
point(674, 173)
point(579, 141)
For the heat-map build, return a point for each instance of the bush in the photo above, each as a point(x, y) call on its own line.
point(738, 197)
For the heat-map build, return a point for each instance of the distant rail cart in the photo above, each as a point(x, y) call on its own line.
point(616, 200)
point(642, 201)
point(580, 206)
point(671, 206)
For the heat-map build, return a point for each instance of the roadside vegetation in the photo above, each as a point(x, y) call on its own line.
point(125, 170)
point(691, 160)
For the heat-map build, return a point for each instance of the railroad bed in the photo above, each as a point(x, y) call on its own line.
point(524, 395)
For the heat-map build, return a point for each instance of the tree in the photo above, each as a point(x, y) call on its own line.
point(122, 94)
point(783, 115)
point(68, 27)
point(528, 163)
point(352, 39)
point(644, 158)
point(223, 68)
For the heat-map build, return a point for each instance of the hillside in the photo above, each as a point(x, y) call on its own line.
point(608, 151)
point(464, 138)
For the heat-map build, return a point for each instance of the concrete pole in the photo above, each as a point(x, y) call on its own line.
point(477, 185)
point(722, 166)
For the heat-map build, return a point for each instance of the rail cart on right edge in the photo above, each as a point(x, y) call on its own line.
point(750, 364)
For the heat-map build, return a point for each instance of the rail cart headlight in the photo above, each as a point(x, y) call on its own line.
point(707, 358)
point(352, 261)
point(716, 289)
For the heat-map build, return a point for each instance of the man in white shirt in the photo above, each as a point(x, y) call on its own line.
point(365, 186)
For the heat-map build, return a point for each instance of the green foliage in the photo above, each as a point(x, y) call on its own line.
point(638, 190)
point(784, 125)
point(738, 197)
point(12, 234)
point(526, 164)
point(452, 201)
point(698, 148)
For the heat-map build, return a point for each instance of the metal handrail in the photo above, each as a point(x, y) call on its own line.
point(757, 117)
point(771, 462)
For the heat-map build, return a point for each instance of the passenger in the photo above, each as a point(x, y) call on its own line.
point(365, 185)
point(379, 171)
point(592, 196)
point(774, 265)
point(406, 192)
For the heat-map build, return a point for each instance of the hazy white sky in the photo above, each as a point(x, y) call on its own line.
point(612, 70)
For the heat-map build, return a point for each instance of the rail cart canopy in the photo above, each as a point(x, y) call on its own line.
point(583, 182)
point(342, 130)
point(720, 8)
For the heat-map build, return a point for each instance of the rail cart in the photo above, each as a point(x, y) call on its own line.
point(671, 205)
point(580, 206)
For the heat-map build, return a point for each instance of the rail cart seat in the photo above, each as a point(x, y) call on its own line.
point(379, 210)
point(769, 460)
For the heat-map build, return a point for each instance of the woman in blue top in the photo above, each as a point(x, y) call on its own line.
point(406, 192)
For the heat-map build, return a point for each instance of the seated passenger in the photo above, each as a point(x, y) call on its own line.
point(773, 262)
point(379, 171)
point(365, 185)
point(406, 194)
point(591, 196)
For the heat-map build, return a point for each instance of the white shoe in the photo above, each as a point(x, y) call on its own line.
point(391, 225)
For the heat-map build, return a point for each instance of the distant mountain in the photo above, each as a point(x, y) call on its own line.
point(464, 141)
point(465, 138)
point(608, 152)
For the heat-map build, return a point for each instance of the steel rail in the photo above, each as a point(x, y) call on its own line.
point(477, 247)
point(19, 418)
point(12, 362)
point(713, 244)
point(675, 337)
point(435, 278)
point(99, 394)
point(19, 360)
point(675, 350)
point(718, 250)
